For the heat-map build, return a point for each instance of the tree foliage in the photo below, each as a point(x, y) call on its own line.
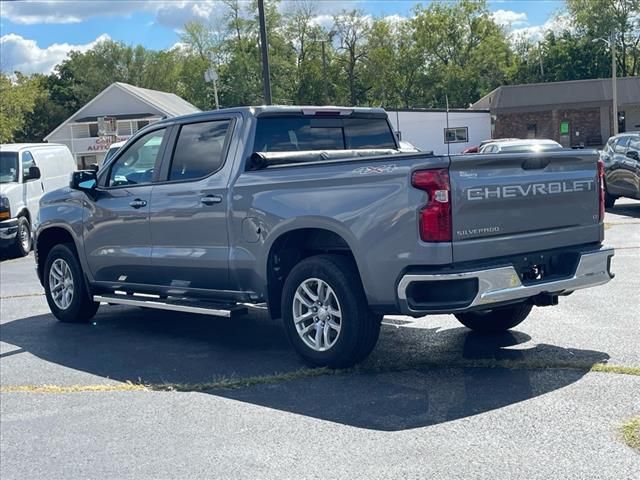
point(451, 51)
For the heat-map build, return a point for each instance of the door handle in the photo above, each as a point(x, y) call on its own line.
point(138, 203)
point(211, 199)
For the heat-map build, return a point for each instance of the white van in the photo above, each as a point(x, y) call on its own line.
point(27, 171)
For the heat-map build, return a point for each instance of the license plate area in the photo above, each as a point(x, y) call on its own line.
point(544, 267)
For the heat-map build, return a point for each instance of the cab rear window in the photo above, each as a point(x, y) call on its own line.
point(297, 133)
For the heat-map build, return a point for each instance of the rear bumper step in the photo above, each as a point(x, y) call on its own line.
point(175, 305)
point(497, 285)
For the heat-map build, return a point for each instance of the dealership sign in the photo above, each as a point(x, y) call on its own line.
point(96, 144)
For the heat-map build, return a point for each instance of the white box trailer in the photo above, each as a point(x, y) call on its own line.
point(427, 128)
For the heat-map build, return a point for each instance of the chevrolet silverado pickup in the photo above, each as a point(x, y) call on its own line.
point(317, 213)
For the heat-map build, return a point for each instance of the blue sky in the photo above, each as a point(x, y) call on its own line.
point(35, 35)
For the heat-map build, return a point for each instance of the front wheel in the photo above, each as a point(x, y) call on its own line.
point(22, 247)
point(495, 320)
point(325, 313)
point(609, 200)
point(65, 288)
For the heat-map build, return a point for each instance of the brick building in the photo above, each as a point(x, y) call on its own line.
point(574, 113)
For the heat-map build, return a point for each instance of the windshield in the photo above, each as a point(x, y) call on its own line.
point(8, 167)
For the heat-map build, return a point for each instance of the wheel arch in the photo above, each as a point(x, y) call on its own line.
point(291, 246)
point(46, 240)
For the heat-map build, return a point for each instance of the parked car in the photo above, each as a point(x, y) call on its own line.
point(27, 171)
point(407, 147)
point(476, 148)
point(621, 158)
point(113, 148)
point(520, 146)
point(315, 212)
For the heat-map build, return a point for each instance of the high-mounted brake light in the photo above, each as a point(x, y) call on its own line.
point(327, 112)
point(435, 216)
point(602, 190)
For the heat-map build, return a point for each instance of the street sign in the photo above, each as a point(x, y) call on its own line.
point(211, 75)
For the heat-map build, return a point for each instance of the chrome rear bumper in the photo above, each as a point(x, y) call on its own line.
point(503, 284)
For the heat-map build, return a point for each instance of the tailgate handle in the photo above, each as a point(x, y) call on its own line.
point(535, 163)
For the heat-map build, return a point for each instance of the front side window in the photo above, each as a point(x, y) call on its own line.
point(136, 165)
point(199, 150)
point(27, 163)
point(634, 144)
point(8, 167)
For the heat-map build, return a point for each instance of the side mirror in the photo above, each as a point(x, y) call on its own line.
point(83, 180)
point(34, 173)
point(633, 155)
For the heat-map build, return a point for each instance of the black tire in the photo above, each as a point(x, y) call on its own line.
point(81, 307)
point(359, 327)
point(609, 200)
point(22, 245)
point(496, 320)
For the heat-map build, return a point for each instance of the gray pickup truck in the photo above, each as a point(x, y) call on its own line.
point(315, 212)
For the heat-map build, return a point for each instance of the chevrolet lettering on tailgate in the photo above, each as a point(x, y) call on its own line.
point(533, 189)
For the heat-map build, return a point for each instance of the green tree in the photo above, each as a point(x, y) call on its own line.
point(352, 31)
point(465, 53)
point(18, 100)
point(598, 19)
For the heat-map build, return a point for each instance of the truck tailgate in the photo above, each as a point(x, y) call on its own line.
point(506, 204)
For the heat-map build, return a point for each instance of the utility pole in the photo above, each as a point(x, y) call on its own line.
point(614, 86)
point(325, 83)
point(265, 54)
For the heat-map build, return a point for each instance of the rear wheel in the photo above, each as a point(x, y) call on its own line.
point(325, 313)
point(65, 287)
point(495, 320)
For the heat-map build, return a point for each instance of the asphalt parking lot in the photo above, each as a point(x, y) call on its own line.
point(145, 394)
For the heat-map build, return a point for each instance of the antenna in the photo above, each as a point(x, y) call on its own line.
point(446, 97)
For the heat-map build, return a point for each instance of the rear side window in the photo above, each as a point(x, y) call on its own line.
point(200, 150)
point(298, 133)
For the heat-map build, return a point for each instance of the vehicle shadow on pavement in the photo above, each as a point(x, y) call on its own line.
point(431, 387)
point(627, 209)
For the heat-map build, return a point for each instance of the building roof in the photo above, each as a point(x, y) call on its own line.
point(166, 104)
point(169, 103)
point(523, 97)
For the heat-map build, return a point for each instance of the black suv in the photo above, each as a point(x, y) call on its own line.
point(621, 157)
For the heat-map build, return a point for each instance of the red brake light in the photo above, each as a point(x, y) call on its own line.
point(601, 184)
point(435, 216)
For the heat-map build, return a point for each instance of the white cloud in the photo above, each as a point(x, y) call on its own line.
point(509, 18)
point(172, 14)
point(30, 12)
point(536, 33)
point(24, 55)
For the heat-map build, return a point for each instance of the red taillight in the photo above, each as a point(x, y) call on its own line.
point(435, 216)
point(601, 185)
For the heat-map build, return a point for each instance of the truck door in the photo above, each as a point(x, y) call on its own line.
point(188, 215)
point(116, 223)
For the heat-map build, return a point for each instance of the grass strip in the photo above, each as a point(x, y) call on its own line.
point(234, 383)
point(631, 433)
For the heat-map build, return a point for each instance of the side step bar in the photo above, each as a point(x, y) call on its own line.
point(176, 305)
